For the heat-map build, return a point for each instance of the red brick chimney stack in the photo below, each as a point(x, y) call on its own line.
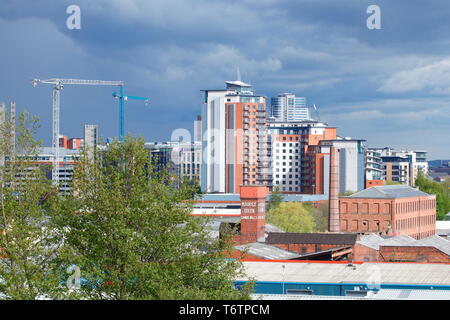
point(333, 215)
point(253, 213)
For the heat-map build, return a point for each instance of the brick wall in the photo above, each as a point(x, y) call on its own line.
point(303, 248)
point(363, 253)
point(253, 214)
point(412, 254)
point(414, 216)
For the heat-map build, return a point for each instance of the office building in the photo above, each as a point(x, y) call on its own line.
point(287, 107)
point(402, 166)
point(181, 159)
point(374, 168)
point(198, 129)
point(351, 162)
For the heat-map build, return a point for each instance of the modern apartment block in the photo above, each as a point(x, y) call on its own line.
point(189, 155)
point(351, 163)
point(235, 145)
point(374, 168)
point(287, 107)
point(198, 129)
point(66, 164)
point(297, 164)
point(402, 166)
point(182, 159)
point(72, 143)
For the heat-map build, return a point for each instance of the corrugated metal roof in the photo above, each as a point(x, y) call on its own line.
point(307, 297)
point(372, 241)
point(369, 273)
point(375, 241)
point(383, 294)
point(409, 294)
point(399, 240)
point(267, 252)
point(437, 242)
point(389, 192)
point(312, 238)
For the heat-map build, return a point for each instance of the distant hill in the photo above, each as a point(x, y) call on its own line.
point(438, 163)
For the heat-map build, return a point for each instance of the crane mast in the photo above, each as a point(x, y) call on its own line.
point(58, 85)
point(122, 98)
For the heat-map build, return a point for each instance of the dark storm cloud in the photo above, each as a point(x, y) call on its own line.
point(362, 80)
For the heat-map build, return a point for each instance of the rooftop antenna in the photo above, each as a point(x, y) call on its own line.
point(317, 112)
point(238, 74)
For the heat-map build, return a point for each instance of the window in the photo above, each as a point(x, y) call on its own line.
point(356, 293)
point(300, 292)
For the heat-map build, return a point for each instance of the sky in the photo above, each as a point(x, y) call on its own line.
point(389, 86)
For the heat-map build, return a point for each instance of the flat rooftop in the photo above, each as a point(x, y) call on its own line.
point(338, 273)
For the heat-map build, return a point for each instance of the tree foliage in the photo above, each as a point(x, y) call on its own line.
point(291, 217)
point(439, 189)
point(126, 227)
point(29, 242)
point(392, 183)
point(319, 214)
point(276, 197)
point(133, 236)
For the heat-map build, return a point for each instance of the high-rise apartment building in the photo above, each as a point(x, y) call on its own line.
point(287, 107)
point(90, 135)
point(235, 145)
point(181, 159)
point(90, 139)
point(402, 166)
point(351, 155)
point(198, 129)
point(297, 165)
point(374, 168)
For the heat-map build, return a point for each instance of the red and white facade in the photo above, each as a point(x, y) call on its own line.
point(235, 146)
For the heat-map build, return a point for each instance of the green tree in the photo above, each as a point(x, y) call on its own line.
point(346, 193)
point(276, 197)
point(319, 214)
point(29, 242)
point(392, 183)
point(442, 194)
point(291, 217)
point(133, 236)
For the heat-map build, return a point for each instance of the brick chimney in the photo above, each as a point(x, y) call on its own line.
point(333, 213)
point(253, 213)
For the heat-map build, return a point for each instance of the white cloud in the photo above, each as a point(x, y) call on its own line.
point(434, 78)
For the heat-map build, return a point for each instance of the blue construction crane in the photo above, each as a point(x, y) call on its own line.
point(122, 98)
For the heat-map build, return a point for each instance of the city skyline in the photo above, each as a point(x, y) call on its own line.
point(387, 86)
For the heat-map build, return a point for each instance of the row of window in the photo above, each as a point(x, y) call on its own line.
point(365, 208)
point(414, 222)
point(285, 151)
point(415, 206)
point(284, 170)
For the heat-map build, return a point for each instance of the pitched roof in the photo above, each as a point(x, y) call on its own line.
point(371, 240)
point(389, 192)
point(435, 241)
point(312, 238)
point(267, 252)
point(400, 240)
